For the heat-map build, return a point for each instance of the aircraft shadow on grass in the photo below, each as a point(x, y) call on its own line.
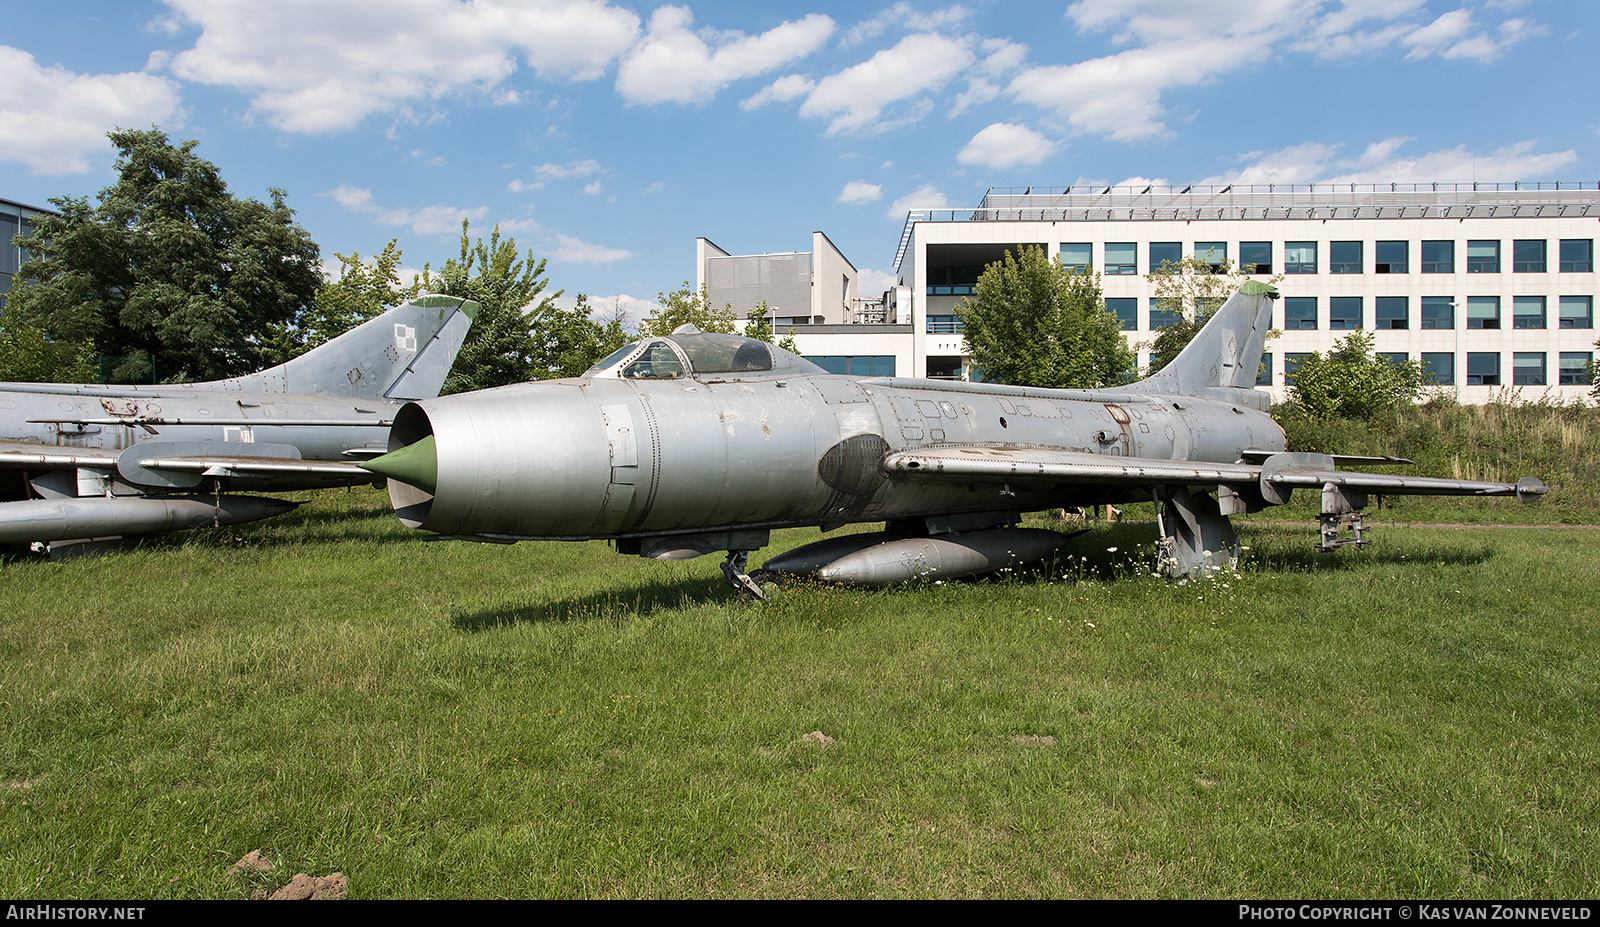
point(1077, 563)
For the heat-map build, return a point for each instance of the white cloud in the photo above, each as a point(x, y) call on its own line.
point(1296, 164)
point(905, 15)
point(1174, 44)
point(318, 67)
point(860, 193)
point(573, 251)
point(55, 121)
point(871, 282)
point(674, 65)
point(429, 220)
point(855, 97)
point(1005, 145)
point(923, 197)
point(781, 90)
point(1382, 162)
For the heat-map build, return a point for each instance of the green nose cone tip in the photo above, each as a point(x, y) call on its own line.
point(415, 464)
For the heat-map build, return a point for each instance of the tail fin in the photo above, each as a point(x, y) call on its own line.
point(1225, 355)
point(405, 353)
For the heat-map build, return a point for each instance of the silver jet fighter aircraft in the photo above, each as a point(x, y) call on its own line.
point(683, 445)
point(81, 465)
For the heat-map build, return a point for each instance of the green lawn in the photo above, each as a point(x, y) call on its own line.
point(444, 719)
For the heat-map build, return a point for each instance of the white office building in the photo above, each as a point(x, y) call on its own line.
point(1491, 286)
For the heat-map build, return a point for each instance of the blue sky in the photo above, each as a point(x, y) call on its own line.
point(606, 136)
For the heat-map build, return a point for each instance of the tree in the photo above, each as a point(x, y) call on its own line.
point(28, 354)
point(1351, 382)
point(169, 268)
point(500, 348)
point(1193, 289)
point(363, 291)
point(685, 306)
point(757, 325)
point(1031, 322)
point(570, 341)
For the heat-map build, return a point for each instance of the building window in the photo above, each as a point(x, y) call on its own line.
point(1393, 257)
point(1075, 256)
point(1397, 358)
point(1577, 312)
point(1344, 257)
point(944, 368)
point(1394, 312)
point(856, 366)
point(1483, 369)
point(1483, 257)
point(1121, 257)
point(1575, 368)
point(1344, 312)
point(1291, 363)
point(1300, 257)
point(1577, 255)
point(1126, 311)
point(953, 280)
point(1527, 368)
point(1527, 257)
point(1264, 372)
point(1440, 368)
point(1299, 313)
point(1255, 257)
point(1165, 252)
point(1483, 312)
point(1438, 257)
point(1438, 312)
point(1527, 312)
point(944, 325)
point(1214, 253)
point(1162, 317)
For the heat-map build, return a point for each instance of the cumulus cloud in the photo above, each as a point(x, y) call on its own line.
point(853, 99)
point(55, 121)
point(781, 90)
point(674, 65)
point(904, 15)
point(1119, 96)
point(860, 193)
point(574, 251)
point(319, 67)
point(428, 220)
point(1004, 145)
point(923, 197)
point(1383, 162)
point(1172, 45)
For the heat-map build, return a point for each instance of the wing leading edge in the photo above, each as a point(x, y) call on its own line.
point(1276, 476)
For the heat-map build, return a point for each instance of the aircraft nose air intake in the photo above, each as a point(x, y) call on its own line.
point(415, 464)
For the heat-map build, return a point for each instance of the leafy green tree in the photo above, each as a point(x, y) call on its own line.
point(500, 348)
point(1194, 291)
point(1351, 382)
point(28, 354)
point(685, 306)
point(758, 325)
point(363, 291)
point(169, 267)
point(1031, 322)
point(569, 341)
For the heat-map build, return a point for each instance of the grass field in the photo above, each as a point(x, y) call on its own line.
point(443, 719)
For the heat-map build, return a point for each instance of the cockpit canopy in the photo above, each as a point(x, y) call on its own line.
point(701, 355)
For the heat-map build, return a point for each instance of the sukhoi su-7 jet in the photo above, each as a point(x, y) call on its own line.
point(693, 443)
point(84, 465)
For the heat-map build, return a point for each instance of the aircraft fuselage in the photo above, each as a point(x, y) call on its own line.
point(610, 458)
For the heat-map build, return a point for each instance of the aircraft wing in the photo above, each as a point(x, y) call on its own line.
point(24, 455)
point(186, 464)
point(1276, 475)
